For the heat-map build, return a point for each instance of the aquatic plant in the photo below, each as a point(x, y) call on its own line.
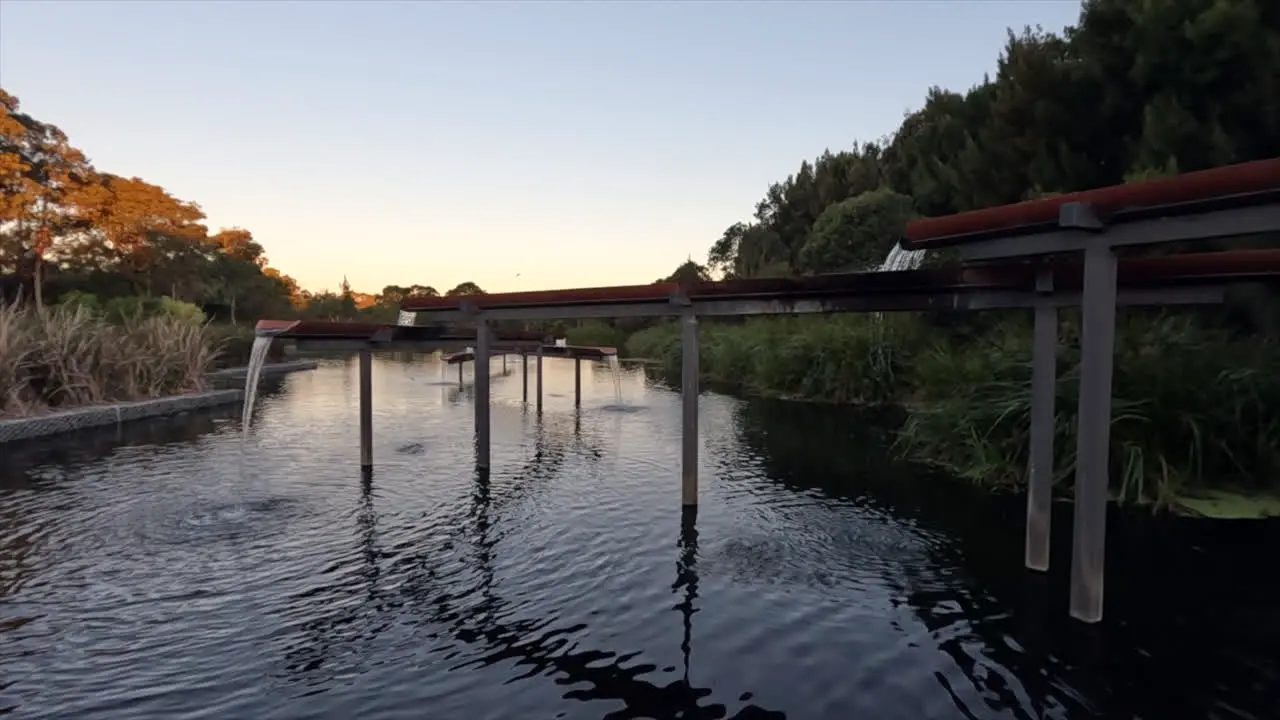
point(842, 359)
point(1192, 408)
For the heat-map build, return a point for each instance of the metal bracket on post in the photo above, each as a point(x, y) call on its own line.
point(1079, 216)
point(1044, 374)
point(679, 299)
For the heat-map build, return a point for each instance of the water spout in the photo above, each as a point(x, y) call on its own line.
point(252, 375)
point(615, 368)
point(901, 259)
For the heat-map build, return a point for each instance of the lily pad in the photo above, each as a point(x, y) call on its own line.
point(1227, 505)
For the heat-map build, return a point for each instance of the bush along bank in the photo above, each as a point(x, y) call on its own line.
point(71, 356)
point(1196, 411)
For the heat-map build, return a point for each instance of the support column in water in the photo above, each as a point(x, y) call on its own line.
point(689, 397)
point(524, 377)
point(366, 409)
point(577, 382)
point(482, 395)
point(1093, 432)
point(1044, 375)
point(539, 388)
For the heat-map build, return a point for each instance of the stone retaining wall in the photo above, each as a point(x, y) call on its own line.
point(71, 420)
point(268, 370)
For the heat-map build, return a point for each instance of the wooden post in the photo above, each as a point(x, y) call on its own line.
point(539, 388)
point(577, 382)
point(366, 409)
point(482, 395)
point(524, 377)
point(1093, 434)
point(504, 363)
point(1044, 376)
point(460, 364)
point(689, 396)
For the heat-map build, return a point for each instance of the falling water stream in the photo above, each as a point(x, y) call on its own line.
point(615, 369)
point(253, 373)
point(900, 259)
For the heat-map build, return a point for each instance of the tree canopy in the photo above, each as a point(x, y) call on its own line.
point(67, 226)
point(1137, 88)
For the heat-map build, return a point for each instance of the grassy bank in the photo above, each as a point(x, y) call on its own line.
point(1196, 411)
point(72, 355)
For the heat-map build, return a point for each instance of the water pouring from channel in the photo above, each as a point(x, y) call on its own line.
point(615, 369)
point(253, 376)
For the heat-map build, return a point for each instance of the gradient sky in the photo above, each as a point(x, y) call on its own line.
point(519, 145)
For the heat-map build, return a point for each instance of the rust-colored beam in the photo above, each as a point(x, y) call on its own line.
point(584, 352)
point(580, 352)
point(1234, 266)
point(341, 330)
point(1229, 185)
point(572, 296)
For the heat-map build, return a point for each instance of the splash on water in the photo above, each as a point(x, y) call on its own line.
point(615, 369)
point(252, 374)
point(900, 259)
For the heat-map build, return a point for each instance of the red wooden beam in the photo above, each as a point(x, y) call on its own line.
point(1109, 203)
point(573, 296)
point(1233, 265)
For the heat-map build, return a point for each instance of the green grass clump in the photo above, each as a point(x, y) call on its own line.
point(842, 359)
point(1192, 408)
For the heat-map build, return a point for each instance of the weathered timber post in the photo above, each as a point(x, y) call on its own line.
point(482, 395)
point(461, 363)
point(539, 388)
point(366, 409)
point(577, 382)
point(689, 396)
point(1093, 434)
point(504, 363)
point(1044, 376)
point(524, 377)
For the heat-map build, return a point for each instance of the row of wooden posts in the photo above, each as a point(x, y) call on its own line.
point(689, 395)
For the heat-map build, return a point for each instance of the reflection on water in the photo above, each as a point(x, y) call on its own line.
point(179, 573)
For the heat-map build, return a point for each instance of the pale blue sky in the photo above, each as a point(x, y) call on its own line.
point(569, 143)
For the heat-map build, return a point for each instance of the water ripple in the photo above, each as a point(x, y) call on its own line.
point(196, 573)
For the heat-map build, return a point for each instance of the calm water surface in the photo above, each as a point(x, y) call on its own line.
point(174, 572)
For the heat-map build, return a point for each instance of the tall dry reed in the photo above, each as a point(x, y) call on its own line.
point(63, 357)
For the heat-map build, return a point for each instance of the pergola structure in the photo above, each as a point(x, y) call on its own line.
point(1010, 262)
point(577, 353)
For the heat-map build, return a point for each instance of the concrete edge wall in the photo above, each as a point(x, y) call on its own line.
point(268, 370)
point(82, 418)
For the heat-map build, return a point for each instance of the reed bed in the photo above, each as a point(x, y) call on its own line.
point(70, 356)
point(1194, 408)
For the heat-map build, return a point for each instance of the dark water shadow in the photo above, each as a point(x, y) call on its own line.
point(426, 595)
point(1192, 618)
point(23, 458)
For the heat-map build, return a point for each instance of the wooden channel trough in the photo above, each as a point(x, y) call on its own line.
point(577, 353)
